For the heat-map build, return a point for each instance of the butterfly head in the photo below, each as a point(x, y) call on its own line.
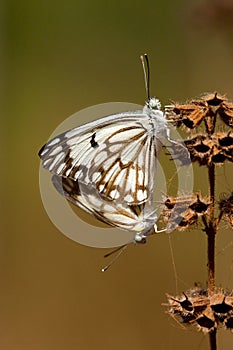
point(153, 103)
point(140, 238)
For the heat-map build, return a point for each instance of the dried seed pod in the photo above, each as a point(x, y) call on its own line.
point(195, 307)
point(200, 148)
point(200, 206)
point(226, 208)
point(207, 109)
point(183, 211)
point(228, 323)
point(206, 321)
point(188, 115)
point(207, 150)
point(226, 113)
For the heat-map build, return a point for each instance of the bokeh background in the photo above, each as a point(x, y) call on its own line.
point(58, 57)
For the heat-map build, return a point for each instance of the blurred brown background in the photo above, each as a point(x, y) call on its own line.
point(56, 58)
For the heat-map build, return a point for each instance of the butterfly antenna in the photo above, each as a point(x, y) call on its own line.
point(119, 251)
point(146, 71)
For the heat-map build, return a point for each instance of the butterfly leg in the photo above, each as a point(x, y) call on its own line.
point(159, 231)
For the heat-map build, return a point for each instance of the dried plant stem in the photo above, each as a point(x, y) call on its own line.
point(211, 259)
point(211, 174)
point(212, 338)
point(211, 232)
point(209, 148)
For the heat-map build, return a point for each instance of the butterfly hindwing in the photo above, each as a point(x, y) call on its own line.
point(135, 218)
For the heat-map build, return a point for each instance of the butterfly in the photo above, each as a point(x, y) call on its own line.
point(116, 154)
point(107, 167)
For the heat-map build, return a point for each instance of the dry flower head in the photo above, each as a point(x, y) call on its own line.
point(207, 313)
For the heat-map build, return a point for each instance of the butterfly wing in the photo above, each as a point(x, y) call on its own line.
point(115, 154)
point(131, 218)
point(123, 166)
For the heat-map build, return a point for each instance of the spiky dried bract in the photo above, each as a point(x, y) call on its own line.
point(183, 211)
point(208, 313)
point(207, 150)
point(188, 115)
point(226, 113)
point(226, 208)
point(207, 109)
point(199, 148)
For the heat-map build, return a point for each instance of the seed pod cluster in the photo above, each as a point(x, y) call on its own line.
point(184, 211)
point(207, 313)
point(208, 147)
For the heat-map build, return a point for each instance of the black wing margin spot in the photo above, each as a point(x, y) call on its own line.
point(93, 142)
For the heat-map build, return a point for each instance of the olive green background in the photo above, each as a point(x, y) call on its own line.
point(58, 57)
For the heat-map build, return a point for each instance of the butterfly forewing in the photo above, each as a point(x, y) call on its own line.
point(115, 154)
point(122, 167)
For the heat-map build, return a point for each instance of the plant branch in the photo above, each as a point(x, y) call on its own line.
point(211, 232)
point(213, 340)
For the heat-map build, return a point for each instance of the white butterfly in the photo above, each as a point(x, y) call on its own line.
point(108, 167)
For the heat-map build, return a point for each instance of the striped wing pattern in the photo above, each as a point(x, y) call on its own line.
point(116, 155)
point(138, 218)
point(123, 166)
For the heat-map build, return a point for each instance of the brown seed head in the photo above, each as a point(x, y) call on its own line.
point(195, 307)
